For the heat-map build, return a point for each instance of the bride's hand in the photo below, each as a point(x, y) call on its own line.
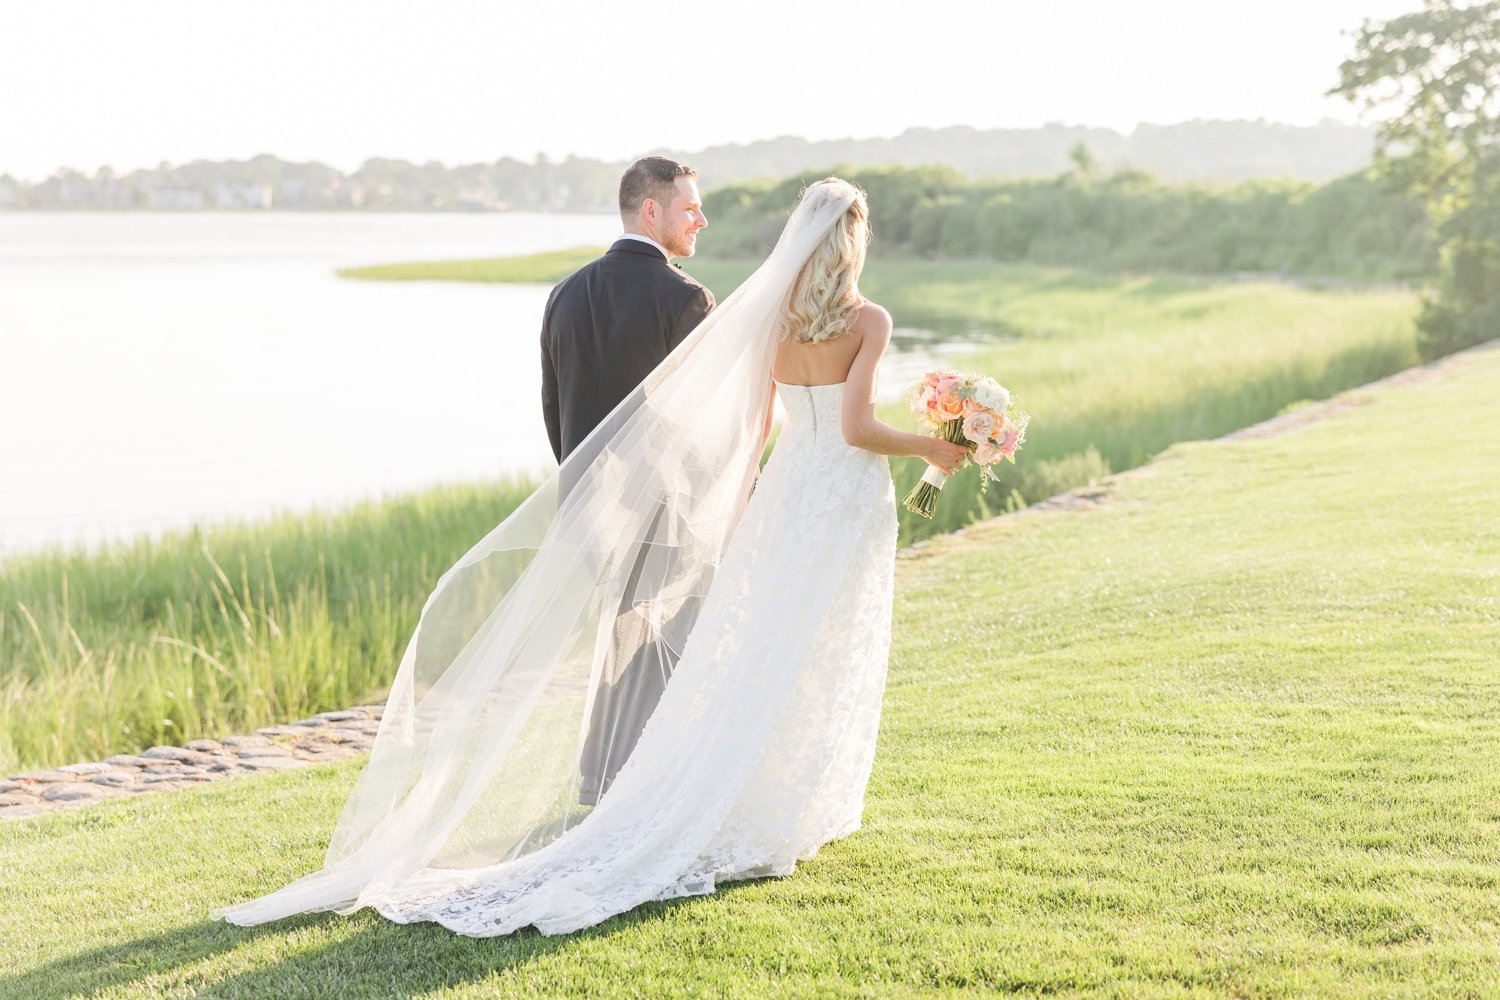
point(944, 456)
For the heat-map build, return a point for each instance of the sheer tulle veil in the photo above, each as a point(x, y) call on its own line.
point(477, 759)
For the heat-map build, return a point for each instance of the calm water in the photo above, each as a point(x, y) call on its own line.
point(159, 370)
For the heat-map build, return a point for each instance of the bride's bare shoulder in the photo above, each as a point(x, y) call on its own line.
point(872, 321)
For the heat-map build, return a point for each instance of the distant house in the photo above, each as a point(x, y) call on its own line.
point(111, 192)
point(240, 195)
point(75, 191)
point(349, 193)
point(481, 200)
point(297, 192)
point(9, 197)
point(175, 199)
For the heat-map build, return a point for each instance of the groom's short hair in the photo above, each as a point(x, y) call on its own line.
point(652, 177)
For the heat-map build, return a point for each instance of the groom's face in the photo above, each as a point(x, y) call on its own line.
point(681, 219)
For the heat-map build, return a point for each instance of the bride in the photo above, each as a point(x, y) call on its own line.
point(775, 605)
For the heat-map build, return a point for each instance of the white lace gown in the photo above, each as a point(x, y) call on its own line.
point(760, 749)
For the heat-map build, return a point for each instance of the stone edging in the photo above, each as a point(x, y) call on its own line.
point(324, 737)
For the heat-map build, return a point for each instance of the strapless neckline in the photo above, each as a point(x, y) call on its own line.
point(822, 385)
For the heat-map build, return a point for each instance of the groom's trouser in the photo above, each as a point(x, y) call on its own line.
point(637, 663)
point(635, 672)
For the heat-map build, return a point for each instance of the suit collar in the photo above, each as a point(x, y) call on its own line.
point(636, 246)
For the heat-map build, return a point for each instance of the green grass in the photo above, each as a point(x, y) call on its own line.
point(1113, 368)
point(228, 629)
point(1230, 734)
point(1116, 368)
point(532, 269)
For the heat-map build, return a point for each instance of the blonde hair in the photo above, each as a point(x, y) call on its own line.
point(824, 298)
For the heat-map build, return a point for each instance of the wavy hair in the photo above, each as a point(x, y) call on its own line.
point(824, 298)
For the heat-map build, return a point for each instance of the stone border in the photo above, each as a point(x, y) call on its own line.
point(324, 737)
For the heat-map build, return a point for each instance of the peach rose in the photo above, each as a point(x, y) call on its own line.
point(948, 407)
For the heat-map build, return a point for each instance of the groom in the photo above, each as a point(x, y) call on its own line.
point(605, 328)
point(608, 324)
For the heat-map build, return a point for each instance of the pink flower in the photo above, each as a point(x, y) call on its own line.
point(979, 425)
point(987, 454)
point(947, 383)
point(1011, 441)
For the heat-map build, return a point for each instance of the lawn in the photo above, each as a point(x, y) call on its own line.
point(1231, 733)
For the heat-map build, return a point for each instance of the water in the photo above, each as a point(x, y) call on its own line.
point(158, 370)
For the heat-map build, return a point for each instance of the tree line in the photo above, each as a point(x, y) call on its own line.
point(1194, 150)
point(1353, 227)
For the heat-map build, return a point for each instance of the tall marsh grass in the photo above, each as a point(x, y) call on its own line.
point(222, 629)
point(1115, 368)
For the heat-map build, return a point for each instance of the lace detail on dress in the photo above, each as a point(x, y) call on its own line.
point(760, 748)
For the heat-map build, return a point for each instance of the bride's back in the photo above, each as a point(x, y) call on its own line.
point(824, 362)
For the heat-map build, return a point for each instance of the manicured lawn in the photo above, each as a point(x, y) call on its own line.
point(1231, 733)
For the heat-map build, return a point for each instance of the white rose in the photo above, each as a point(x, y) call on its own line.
point(978, 426)
point(992, 394)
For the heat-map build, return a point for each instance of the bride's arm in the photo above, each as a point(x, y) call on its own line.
point(857, 418)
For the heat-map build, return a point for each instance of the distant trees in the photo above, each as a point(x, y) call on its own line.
point(1130, 220)
point(572, 185)
point(1441, 67)
point(1195, 150)
point(1183, 151)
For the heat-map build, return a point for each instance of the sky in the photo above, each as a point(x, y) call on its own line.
point(132, 83)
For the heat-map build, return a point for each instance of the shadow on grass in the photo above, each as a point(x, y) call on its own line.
point(378, 959)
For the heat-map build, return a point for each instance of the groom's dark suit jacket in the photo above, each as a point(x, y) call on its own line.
point(607, 325)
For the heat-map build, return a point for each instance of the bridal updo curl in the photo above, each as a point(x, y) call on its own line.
point(824, 299)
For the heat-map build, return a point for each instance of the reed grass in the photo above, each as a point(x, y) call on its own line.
point(1115, 368)
point(226, 628)
point(540, 268)
point(223, 628)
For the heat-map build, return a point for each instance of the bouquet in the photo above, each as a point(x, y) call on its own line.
point(966, 409)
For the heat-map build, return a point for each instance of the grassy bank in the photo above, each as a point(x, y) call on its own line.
point(223, 630)
point(1229, 734)
point(1113, 368)
point(532, 269)
point(1116, 369)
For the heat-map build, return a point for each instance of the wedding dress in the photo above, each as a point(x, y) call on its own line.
point(760, 748)
point(774, 604)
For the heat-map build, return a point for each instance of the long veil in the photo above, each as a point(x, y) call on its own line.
point(525, 673)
